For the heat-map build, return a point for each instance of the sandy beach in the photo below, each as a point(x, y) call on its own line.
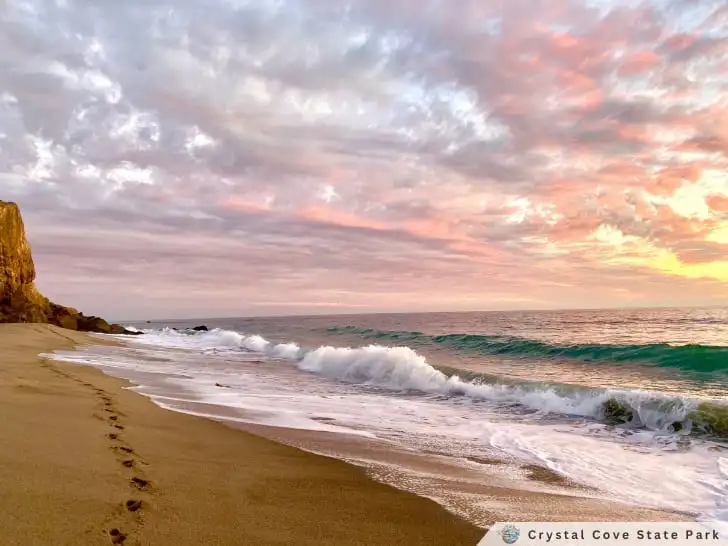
point(83, 461)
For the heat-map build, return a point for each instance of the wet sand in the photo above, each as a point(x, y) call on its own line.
point(483, 491)
point(84, 461)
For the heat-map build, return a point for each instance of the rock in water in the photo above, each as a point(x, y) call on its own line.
point(616, 412)
point(20, 301)
point(202, 328)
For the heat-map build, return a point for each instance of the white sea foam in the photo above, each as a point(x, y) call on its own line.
point(402, 369)
point(650, 468)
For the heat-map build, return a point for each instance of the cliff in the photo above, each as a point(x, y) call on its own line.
point(20, 301)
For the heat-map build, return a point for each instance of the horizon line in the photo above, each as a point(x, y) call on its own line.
point(320, 315)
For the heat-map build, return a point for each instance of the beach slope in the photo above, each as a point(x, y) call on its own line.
point(84, 461)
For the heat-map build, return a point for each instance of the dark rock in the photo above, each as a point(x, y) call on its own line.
point(64, 317)
point(615, 412)
point(97, 324)
point(202, 328)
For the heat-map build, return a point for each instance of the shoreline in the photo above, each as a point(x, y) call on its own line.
point(509, 491)
point(482, 492)
point(85, 460)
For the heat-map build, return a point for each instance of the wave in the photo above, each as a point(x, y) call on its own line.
point(692, 358)
point(401, 369)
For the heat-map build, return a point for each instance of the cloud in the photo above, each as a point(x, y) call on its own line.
point(303, 155)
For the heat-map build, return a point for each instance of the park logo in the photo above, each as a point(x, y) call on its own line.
point(509, 534)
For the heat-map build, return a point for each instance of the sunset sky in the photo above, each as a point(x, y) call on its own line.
point(232, 157)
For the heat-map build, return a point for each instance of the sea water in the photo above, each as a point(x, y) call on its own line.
point(629, 403)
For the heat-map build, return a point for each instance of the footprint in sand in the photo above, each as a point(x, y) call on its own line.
point(133, 505)
point(140, 483)
point(117, 537)
point(122, 451)
point(128, 463)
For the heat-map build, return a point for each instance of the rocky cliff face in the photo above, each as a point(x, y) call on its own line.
point(20, 301)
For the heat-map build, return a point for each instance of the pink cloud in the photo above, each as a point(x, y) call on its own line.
point(679, 42)
point(718, 203)
point(344, 219)
point(622, 169)
point(639, 62)
point(635, 133)
point(574, 228)
point(677, 228)
point(669, 179)
point(703, 144)
point(241, 204)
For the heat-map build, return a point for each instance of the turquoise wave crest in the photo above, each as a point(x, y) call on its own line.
point(694, 358)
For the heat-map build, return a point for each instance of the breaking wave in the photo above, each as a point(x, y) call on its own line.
point(402, 369)
point(693, 358)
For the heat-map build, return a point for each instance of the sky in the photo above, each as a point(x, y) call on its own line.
point(198, 158)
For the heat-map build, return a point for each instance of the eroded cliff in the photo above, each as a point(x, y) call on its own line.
point(20, 301)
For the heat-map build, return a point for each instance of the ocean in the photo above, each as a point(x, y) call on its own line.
point(625, 405)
